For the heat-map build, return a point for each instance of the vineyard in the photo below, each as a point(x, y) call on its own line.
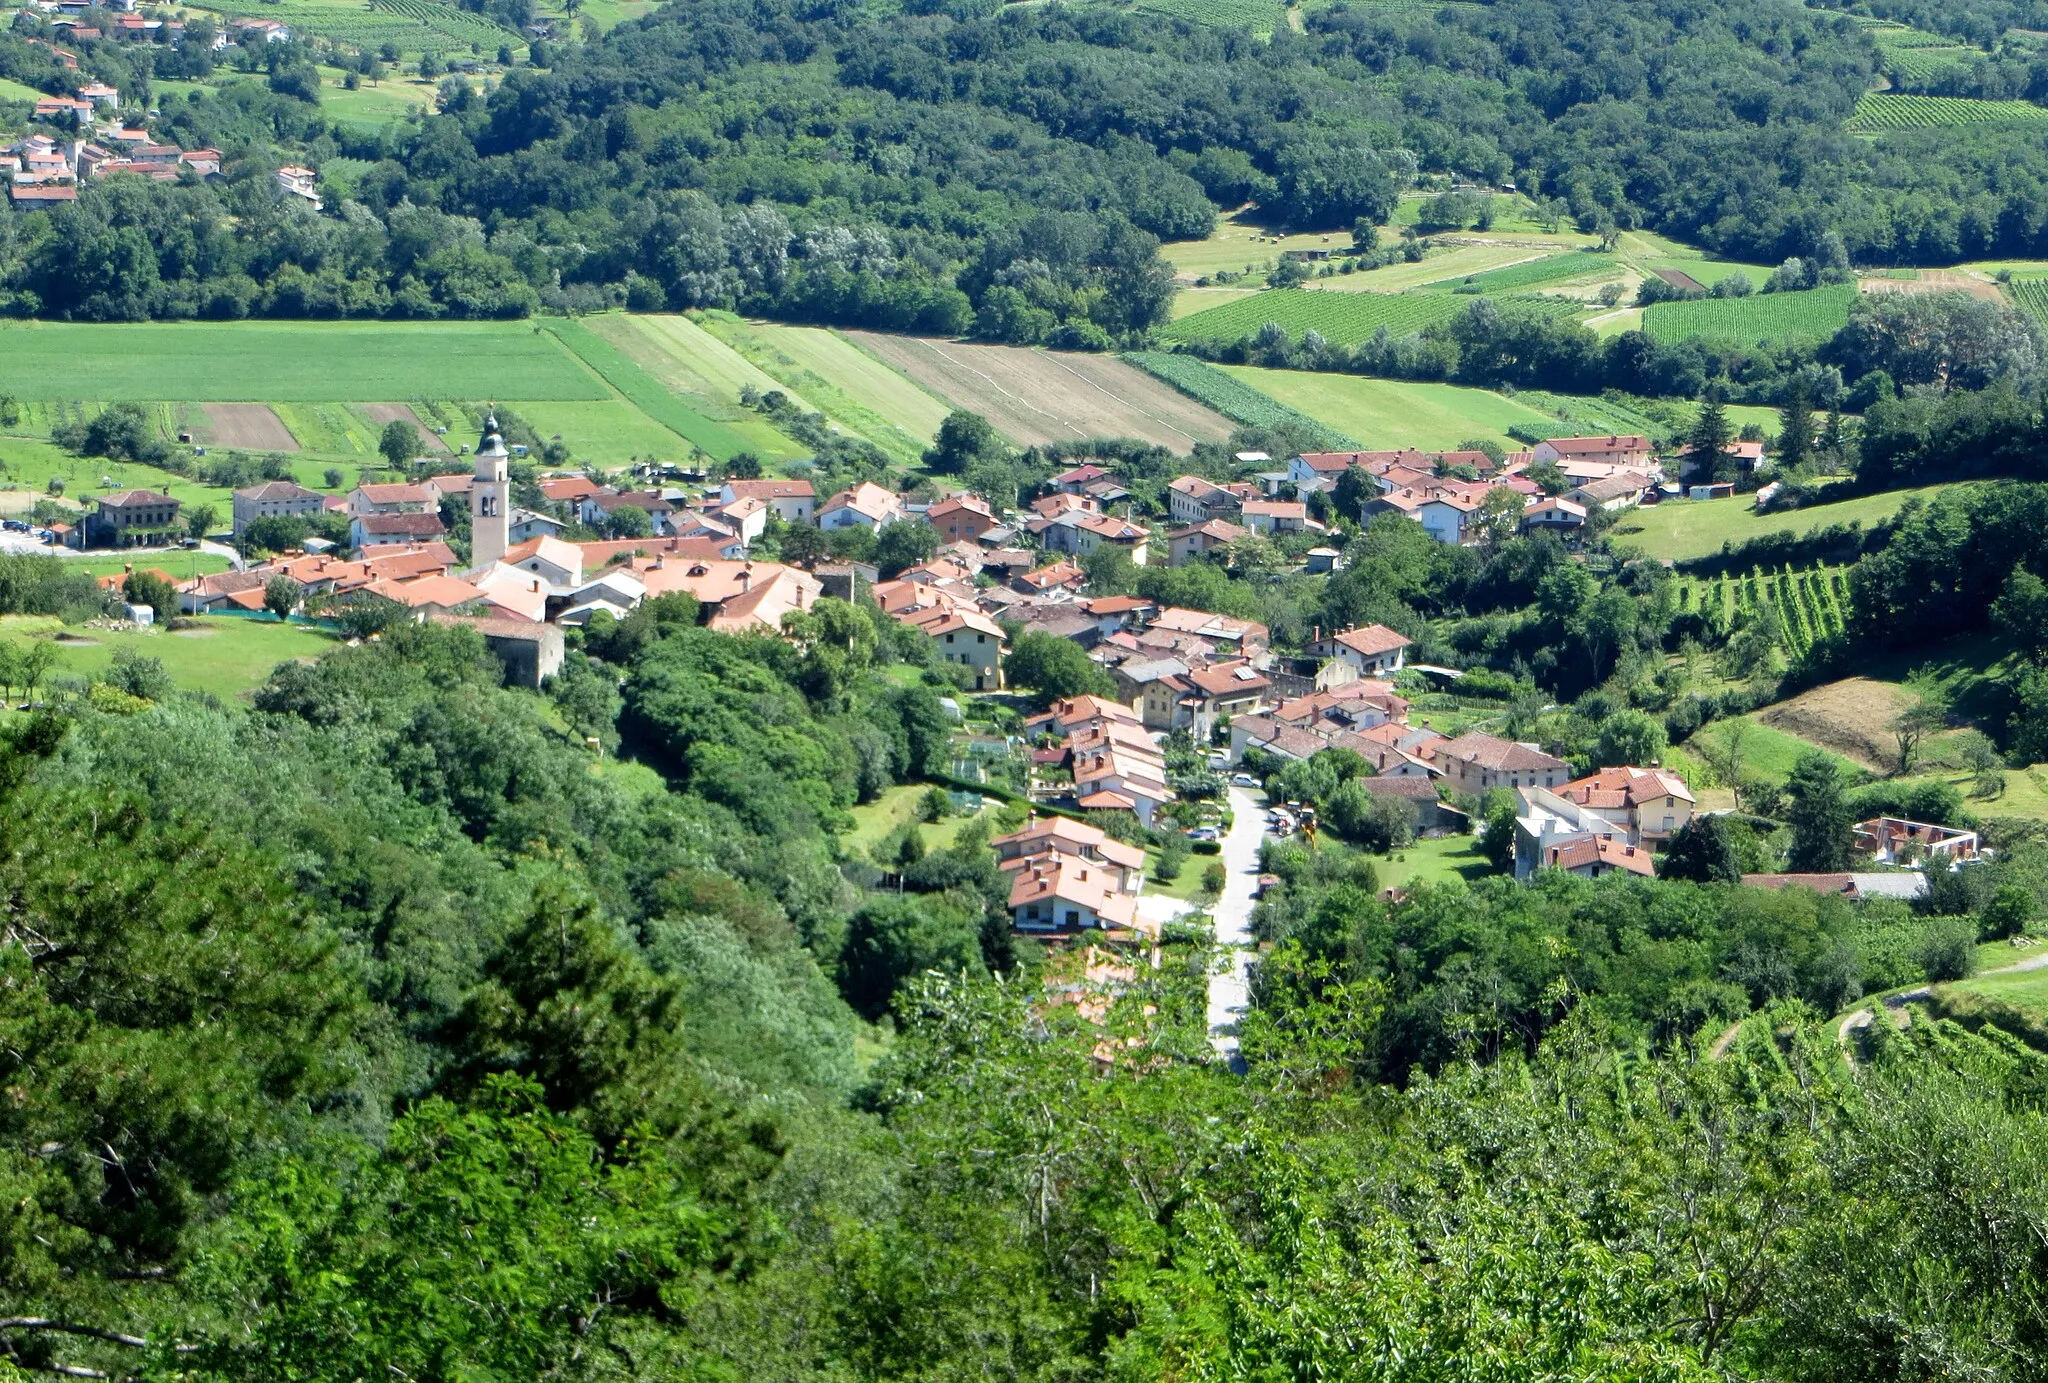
point(1879, 111)
point(1343, 318)
point(1259, 16)
point(1751, 321)
point(1808, 604)
point(2030, 295)
point(1515, 277)
point(1233, 398)
point(1593, 417)
point(415, 26)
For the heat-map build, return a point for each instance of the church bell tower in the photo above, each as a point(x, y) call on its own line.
point(490, 499)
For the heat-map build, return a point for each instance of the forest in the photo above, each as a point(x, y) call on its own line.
point(1005, 170)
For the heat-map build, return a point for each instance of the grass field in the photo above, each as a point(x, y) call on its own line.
point(649, 394)
point(873, 821)
point(1764, 317)
point(704, 373)
point(1386, 414)
point(1233, 398)
point(2026, 989)
point(1238, 246)
point(11, 90)
point(1536, 273)
point(227, 657)
point(388, 102)
point(1444, 266)
point(180, 566)
point(603, 434)
point(1767, 752)
point(1677, 531)
point(839, 379)
point(269, 362)
point(1343, 318)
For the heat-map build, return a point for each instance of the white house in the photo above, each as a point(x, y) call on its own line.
point(866, 505)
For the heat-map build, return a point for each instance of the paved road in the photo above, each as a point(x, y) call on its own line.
point(1228, 987)
point(1897, 1003)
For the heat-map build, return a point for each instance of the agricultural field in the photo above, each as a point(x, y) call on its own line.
point(415, 26)
point(834, 376)
point(1680, 530)
point(1232, 397)
point(704, 375)
point(1387, 414)
point(649, 395)
point(1445, 266)
point(1517, 278)
point(1343, 318)
point(608, 434)
point(1262, 17)
point(1809, 603)
point(325, 362)
point(392, 101)
point(1034, 396)
point(1591, 416)
point(1189, 301)
point(11, 90)
point(1880, 111)
point(2030, 295)
point(1765, 752)
point(1816, 313)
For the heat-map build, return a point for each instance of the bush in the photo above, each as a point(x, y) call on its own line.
point(1208, 847)
point(1173, 853)
point(1213, 879)
point(1948, 951)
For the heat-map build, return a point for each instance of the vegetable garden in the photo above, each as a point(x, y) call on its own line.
point(1233, 398)
point(1808, 603)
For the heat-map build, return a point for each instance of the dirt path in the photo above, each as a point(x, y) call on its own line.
point(1899, 1004)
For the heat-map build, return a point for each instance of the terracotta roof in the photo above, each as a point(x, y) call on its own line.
point(1374, 640)
point(278, 490)
point(1229, 679)
point(411, 525)
point(770, 489)
point(1498, 755)
point(398, 492)
point(1217, 529)
point(567, 487)
point(1625, 787)
point(1600, 850)
point(1402, 785)
point(1063, 834)
point(1595, 446)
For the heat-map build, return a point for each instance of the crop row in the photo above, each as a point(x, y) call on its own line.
point(1342, 318)
point(1589, 416)
point(1763, 317)
point(1808, 604)
point(459, 24)
point(1259, 16)
point(2031, 296)
point(1878, 111)
point(1233, 398)
point(1911, 38)
point(1550, 269)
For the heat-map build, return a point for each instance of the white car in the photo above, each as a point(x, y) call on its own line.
point(1244, 780)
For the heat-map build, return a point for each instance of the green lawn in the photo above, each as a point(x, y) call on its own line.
point(389, 102)
point(1768, 752)
point(1387, 414)
point(11, 90)
point(652, 396)
point(873, 821)
point(1433, 862)
point(1678, 531)
point(2028, 989)
point(266, 362)
point(179, 565)
point(227, 657)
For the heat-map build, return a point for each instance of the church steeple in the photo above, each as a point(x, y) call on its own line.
point(490, 498)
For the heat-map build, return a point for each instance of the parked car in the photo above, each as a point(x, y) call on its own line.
point(1202, 833)
point(1244, 780)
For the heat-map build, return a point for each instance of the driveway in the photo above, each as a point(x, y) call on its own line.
point(1229, 992)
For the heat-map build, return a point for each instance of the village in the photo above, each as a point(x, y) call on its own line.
point(1205, 712)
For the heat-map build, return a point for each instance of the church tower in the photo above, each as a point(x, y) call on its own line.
point(490, 499)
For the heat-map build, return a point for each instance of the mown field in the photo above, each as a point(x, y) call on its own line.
point(1385, 414)
point(1233, 397)
point(1536, 273)
point(1679, 530)
point(226, 656)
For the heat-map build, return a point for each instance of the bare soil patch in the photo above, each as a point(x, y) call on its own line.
point(1678, 278)
point(1852, 717)
point(1934, 281)
point(382, 413)
point(250, 425)
point(1034, 396)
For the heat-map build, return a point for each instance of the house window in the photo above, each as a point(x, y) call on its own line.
point(1667, 823)
point(1073, 918)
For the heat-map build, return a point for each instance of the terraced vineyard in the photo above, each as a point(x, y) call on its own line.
point(415, 26)
point(1343, 318)
point(1233, 398)
point(1808, 603)
point(1815, 313)
point(1879, 111)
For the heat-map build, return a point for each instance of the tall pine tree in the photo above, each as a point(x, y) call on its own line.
point(1706, 450)
point(1795, 428)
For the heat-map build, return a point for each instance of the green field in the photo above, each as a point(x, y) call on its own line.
point(416, 26)
point(836, 377)
point(268, 362)
point(226, 656)
point(1238, 245)
point(705, 375)
point(1259, 16)
point(1763, 317)
point(1517, 278)
point(388, 102)
point(1880, 111)
point(1439, 266)
point(648, 394)
point(1233, 397)
point(2025, 989)
point(1768, 752)
point(1388, 414)
point(180, 566)
point(601, 434)
point(1679, 530)
point(1437, 861)
point(1344, 319)
point(11, 90)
